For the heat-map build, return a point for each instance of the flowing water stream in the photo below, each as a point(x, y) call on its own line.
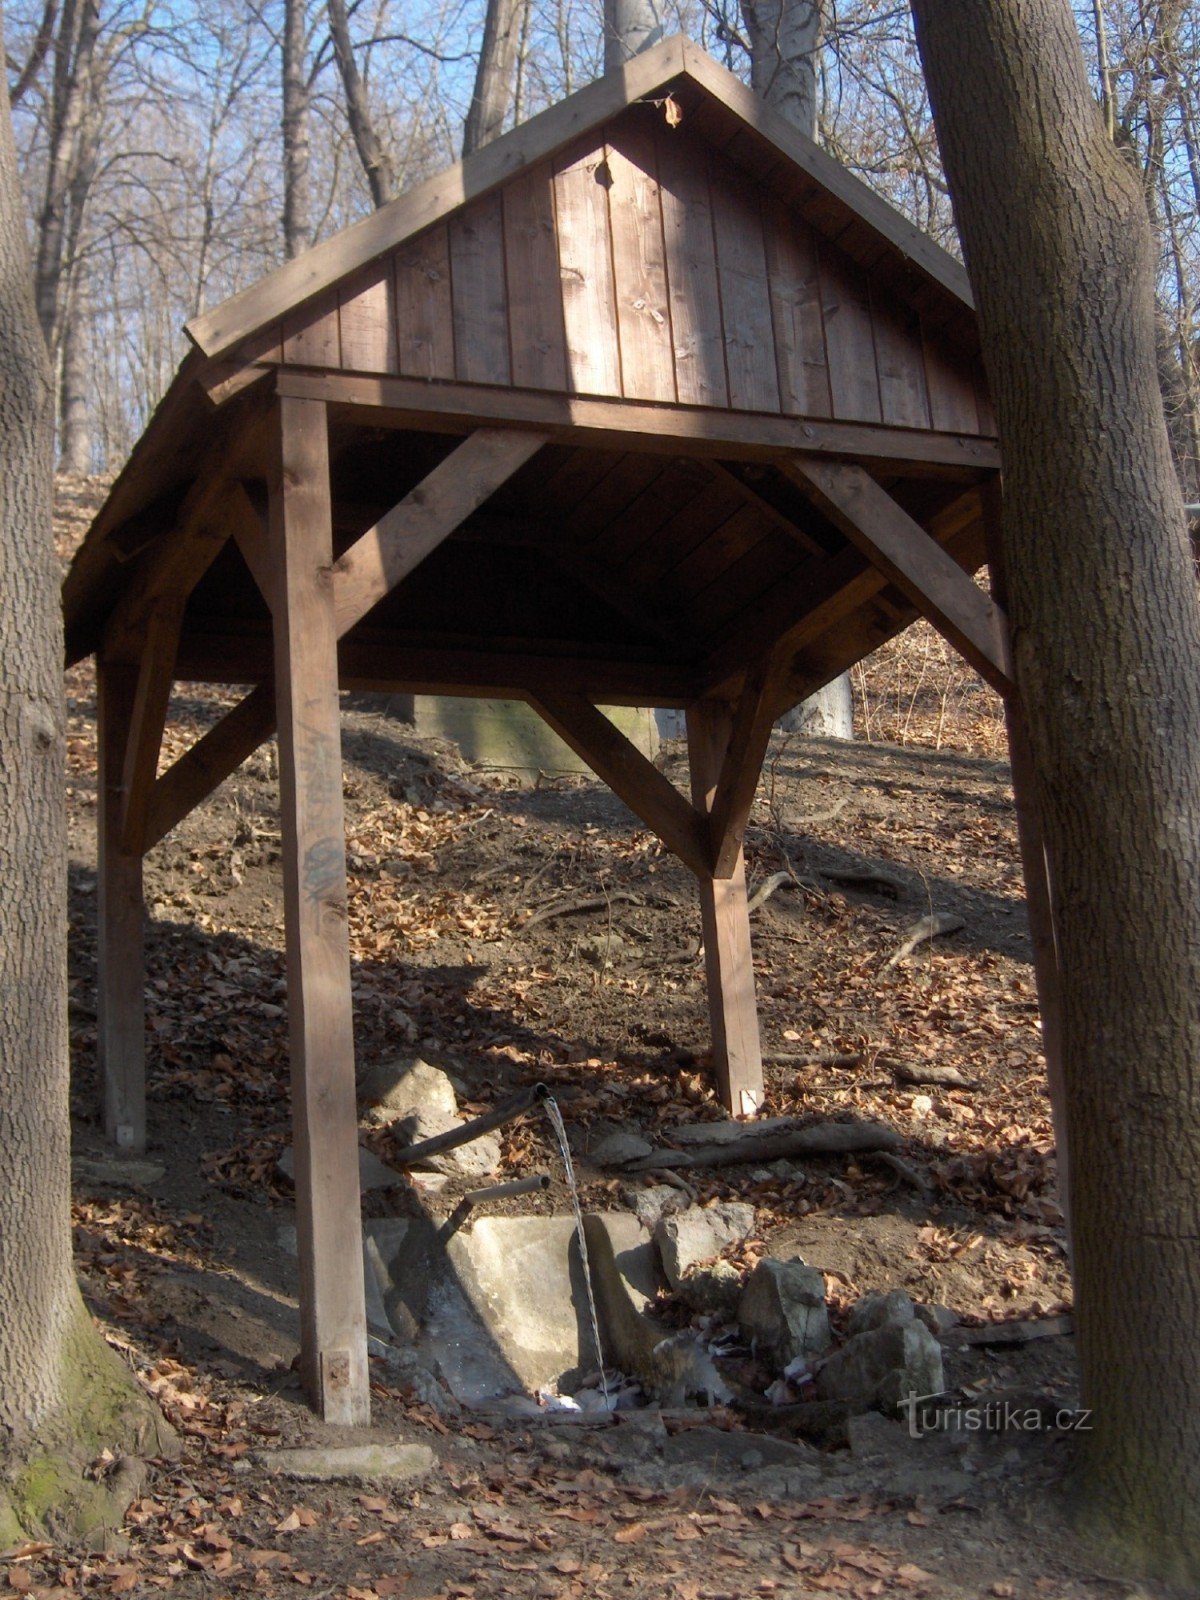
point(556, 1122)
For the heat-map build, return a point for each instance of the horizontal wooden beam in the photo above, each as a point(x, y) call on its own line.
point(634, 425)
point(215, 756)
point(411, 666)
point(918, 566)
point(627, 772)
point(387, 553)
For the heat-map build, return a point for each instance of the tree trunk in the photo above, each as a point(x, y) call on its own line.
point(376, 163)
point(1106, 632)
point(297, 226)
point(63, 1395)
point(785, 36)
point(74, 413)
point(494, 79)
point(630, 26)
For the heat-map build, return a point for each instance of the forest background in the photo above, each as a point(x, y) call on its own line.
point(174, 151)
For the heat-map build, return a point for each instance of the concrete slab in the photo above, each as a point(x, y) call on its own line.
point(507, 735)
point(356, 1463)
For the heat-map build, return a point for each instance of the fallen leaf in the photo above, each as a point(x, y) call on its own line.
point(633, 1534)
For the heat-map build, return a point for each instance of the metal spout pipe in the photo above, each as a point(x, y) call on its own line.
point(507, 1111)
point(496, 1191)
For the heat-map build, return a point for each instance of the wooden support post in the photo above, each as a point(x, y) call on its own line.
point(333, 1333)
point(122, 961)
point(1039, 899)
point(737, 1054)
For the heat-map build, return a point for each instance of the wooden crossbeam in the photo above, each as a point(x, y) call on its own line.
point(409, 403)
point(750, 733)
point(215, 756)
point(386, 554)
point(900, 548)
point(626, 771)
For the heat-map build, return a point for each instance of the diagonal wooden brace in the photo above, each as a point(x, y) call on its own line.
point(899, 547)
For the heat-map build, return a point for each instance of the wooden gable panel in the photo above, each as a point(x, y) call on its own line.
point(642, 263)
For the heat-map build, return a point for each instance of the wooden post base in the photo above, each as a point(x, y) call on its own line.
point(737, 1054)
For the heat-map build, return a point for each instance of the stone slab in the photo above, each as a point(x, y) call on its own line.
point(355, 1463)
point(507, 735)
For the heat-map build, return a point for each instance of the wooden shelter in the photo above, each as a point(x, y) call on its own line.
point(648, 402)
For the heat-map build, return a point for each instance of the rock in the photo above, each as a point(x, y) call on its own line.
point(673, 1369)
point(355, 1463)
point(406, 1370)
point(652, 1204)
point(741, 1452)
point(712, 1290)
point(618, 1149)
point(601, 949)
point(783, 1311)
point(699, 1234)
point(937, 1318)
point(788, 1171)
point(399, 1088)
point(372, 1173)
point(883, 1367)
point(478, 1159)
point(880, 1310)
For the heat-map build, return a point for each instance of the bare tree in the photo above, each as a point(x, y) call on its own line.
point(631, 26)
point(1106, 629)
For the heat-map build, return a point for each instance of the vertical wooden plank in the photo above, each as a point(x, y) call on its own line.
point(424, 316)
point(951, 388)
point(325, 1125)
point(849, 339)
point(367, 317)
point(900, 361)
point(796, 314)
point(745, 290)
point(737, 1054)
point(539, 351)
point(122, 964)
point(691, 258)
point(585, 269)
point(479, 293)
point(310, 335)
point(639, 263)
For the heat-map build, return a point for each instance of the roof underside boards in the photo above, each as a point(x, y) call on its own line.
point(675, 303)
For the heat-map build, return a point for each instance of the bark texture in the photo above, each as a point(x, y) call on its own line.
point(784, 37)
point(1106, 628)
point(297, 224)
point(496, 74)
point(59, 1385)
point(630, 26)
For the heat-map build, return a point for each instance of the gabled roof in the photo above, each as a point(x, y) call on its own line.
point(842, 207)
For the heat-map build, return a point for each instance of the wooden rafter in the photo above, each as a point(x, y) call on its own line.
point(386, 554)
point(900, 548)
point(627, 772)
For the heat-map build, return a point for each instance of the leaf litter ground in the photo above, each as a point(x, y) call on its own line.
point(464, 954)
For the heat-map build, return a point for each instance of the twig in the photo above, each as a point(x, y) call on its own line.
point(822, 1058)
point(903, 1170)
point(594, 902)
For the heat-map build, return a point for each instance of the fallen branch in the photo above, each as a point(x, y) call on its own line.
point(803, 824)
point(939, 1077)
point(921, 932)
point(822, 1058)
point(828, 1138)
point(864, 878)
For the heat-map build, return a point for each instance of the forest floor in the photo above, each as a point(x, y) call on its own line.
point(187, 1276)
